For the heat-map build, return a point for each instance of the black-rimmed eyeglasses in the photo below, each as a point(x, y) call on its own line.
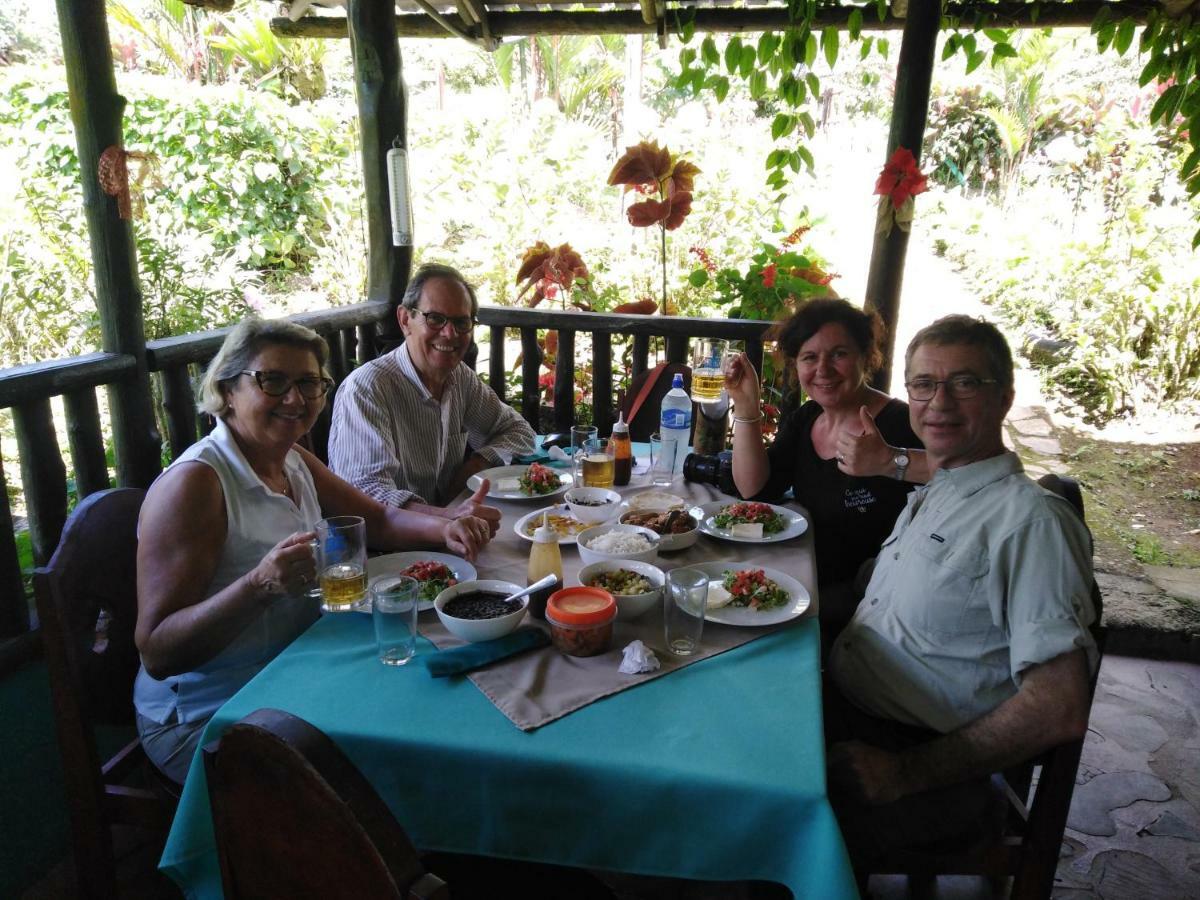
point(436, 321)
point(960, 387)
point(276, 384)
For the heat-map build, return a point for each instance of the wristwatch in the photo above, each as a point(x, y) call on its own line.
point(901, 462)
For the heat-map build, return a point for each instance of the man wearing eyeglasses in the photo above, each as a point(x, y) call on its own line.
point(970, 651)
point(402, 423)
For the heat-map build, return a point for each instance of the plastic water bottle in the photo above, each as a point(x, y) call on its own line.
point(675, 423)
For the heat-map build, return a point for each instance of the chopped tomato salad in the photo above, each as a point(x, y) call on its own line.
point(435, 577)
point(749, 514)
point(539, 479)
point(752, 589)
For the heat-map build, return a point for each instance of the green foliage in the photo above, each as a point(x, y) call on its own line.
point(961, 140)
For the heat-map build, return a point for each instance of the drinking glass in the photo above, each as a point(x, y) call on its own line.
point(684, 603)
point(710, 362)
point(662, 471)
point(394, 604)
point(597, 462)
point(580, 435)
point(342, 562)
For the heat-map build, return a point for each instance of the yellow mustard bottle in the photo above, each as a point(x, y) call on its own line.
point(545, 558)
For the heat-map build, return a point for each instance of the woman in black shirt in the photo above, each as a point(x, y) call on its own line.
point(847, 454)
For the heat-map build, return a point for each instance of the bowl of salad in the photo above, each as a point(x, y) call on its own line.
point(636, 586)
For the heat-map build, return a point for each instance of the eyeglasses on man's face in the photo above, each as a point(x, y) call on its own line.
point(960, 387)
point(276, 384)
point(436, 321)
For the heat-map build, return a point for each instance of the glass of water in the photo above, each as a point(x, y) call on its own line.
point(684, 603)
point(394, 604)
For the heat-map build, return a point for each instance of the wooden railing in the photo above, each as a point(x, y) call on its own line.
point(351, 331)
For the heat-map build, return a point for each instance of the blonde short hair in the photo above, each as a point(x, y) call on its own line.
point(241, 345)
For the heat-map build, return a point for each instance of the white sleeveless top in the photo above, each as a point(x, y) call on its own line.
point(258, 519)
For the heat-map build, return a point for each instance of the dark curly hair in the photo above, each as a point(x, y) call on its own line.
point(864, 328)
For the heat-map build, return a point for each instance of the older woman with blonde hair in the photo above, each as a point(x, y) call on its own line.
point(225, 561)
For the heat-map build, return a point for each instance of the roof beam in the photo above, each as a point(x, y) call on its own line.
point(523, 24)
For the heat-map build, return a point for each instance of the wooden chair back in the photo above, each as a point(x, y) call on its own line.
point(294, 818)
point(87, 610)
point(1039, 794)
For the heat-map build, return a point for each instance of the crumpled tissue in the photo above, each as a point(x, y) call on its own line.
point(638, 658)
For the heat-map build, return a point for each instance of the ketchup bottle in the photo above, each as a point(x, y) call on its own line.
point(623, 453)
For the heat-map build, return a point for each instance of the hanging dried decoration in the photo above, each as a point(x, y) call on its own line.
point(113, 176)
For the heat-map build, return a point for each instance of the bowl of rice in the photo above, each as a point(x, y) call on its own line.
point(615, 541)
point(636, 586)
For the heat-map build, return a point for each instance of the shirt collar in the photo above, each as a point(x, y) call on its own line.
point(409, 371)
point(242, 471)
point(969, 479)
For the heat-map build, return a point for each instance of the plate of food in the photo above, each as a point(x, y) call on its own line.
point(560, 518)
point(750, 595)
point(678, 527)
point(653, 500)
point(749, 522)
point(530, 482)
point(435, 571)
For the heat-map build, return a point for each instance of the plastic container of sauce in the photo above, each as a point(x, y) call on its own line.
point(581, 620)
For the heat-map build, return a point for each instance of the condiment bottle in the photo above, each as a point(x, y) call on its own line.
point(622, 452)
point(544, 559)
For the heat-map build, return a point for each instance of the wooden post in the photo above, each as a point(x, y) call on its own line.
point(910, 107)
point(382, 119)
point(96, 111)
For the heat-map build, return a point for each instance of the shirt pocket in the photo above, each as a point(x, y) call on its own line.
point(954, 601)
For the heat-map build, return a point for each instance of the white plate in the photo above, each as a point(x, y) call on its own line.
point(395, 563)
point(795, 524)
point(740, 615)
point(560, 510)
point(565, 480)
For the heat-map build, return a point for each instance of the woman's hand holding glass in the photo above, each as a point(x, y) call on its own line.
point(288, 568)
point(741, 384)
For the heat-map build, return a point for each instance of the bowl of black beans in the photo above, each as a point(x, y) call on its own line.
point(478, 611)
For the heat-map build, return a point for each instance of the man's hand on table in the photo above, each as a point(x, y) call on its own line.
point(476, 505)
point(865, 774)
point(466, 536)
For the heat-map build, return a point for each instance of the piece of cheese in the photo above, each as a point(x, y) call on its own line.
point(747, 530)
point(717, 595)
point(508, 485)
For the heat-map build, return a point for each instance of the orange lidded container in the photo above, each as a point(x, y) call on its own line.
point(581, 620)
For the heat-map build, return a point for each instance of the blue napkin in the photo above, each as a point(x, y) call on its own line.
point(470, 657)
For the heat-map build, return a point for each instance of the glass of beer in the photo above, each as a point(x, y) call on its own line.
point(710, 362)
point(342, 562)
point(597, 462)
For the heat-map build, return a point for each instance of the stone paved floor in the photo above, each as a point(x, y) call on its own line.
point(1134, 827)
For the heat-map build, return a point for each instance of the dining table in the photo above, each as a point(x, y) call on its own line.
point(711, 770)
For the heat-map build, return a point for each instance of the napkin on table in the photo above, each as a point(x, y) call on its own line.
point(469, 657)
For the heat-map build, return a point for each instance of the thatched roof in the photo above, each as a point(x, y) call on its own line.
point(486, 22)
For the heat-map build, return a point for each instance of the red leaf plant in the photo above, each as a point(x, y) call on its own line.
point(549, 272)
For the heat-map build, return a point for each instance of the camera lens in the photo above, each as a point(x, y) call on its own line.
point(704, 469)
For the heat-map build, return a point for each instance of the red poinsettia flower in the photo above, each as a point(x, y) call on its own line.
point(900, 178)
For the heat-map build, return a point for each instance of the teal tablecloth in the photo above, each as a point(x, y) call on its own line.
point(713, 772)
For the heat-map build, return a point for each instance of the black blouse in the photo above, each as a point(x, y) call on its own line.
point(851, 516)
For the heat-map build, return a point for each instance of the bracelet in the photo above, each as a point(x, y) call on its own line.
point(747, 420)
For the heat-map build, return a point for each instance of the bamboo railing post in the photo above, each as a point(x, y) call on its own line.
point(382, 119)
point(564, 381)
point(531, 361)
point(910, 108)
point(496, 362)
point(602, 384)
point(43, 476)
point(14, 611)
point(179, 402)
point(96, 111)
point(86, 441)
point(366, 343)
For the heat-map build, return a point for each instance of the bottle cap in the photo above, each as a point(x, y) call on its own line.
point(677, 381)
point(620, 427)
point(544, 534)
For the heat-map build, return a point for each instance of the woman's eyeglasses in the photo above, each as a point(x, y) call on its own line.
point(276, 384)
point(436, 321)
point(960, 387)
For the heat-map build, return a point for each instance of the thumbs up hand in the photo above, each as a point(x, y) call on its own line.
point(861, 449)
point(476, 505)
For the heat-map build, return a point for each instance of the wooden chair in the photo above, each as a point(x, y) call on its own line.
point(294, 818)
point(1039, 799)
point(87, 606)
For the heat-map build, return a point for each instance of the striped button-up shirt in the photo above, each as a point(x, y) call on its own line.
point(392, 440)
